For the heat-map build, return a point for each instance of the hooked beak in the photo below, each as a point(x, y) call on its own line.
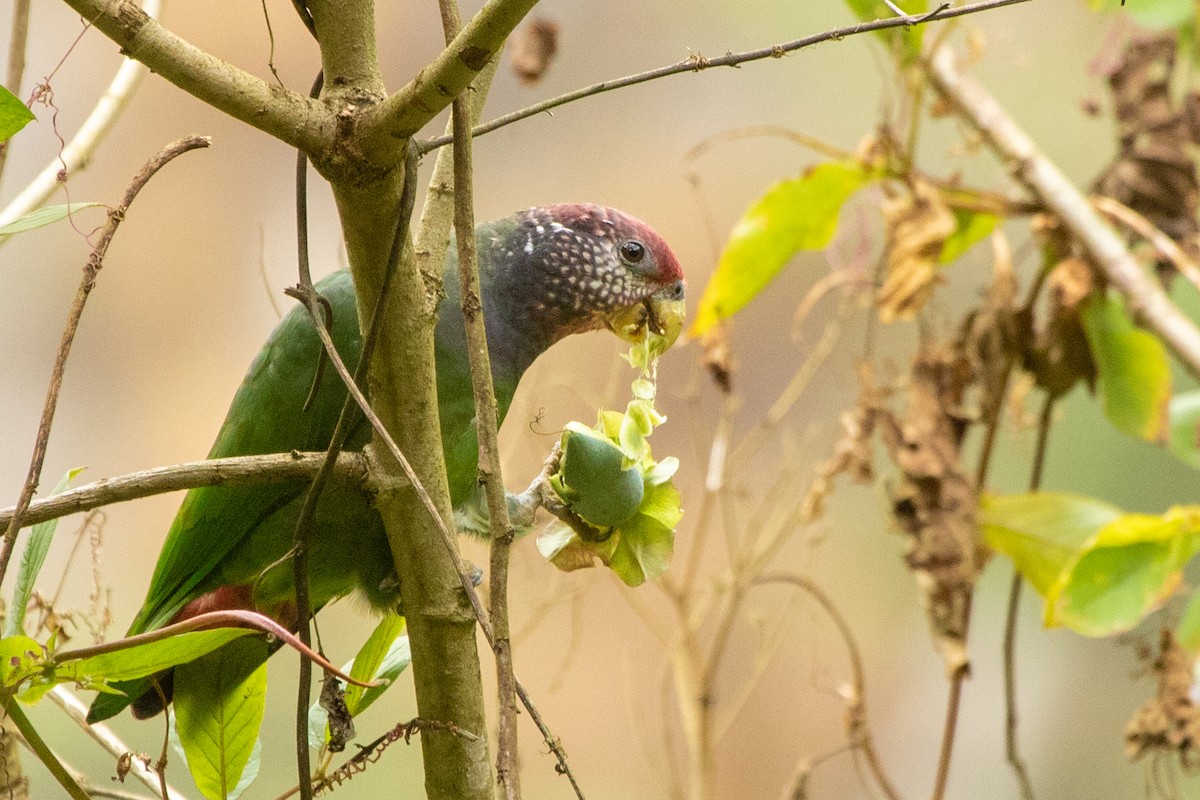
point(660, 314)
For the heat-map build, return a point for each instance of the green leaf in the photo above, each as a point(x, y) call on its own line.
point(794, 215)
point(595, 481)
point(1101, 571)
point(635, 427)
point(250, 771)
point(219, 702)
point(383, 657)
point(248, 774)
point(1188, 630)
point(563, 548)
point(663, 471)
point(907, 41)
point(20, 657)
point(645, 543)
point(970, 229)
point(1126, 571)
point(146, 659)
point(662, 503)
point(1042, 532)
point(1184, 437)
point(32, 559)
point(14, 114)
point(640, 549)
point(1134, 372)
point(44, 216)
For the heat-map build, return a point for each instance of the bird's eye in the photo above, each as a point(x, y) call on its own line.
point(633, 251)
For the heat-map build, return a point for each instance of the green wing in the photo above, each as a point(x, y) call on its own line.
point(266, 416)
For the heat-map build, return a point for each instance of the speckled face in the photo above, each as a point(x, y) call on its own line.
point(585, 261)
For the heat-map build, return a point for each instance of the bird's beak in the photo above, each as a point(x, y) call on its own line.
point(661, 315)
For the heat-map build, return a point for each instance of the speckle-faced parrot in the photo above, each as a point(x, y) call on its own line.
point(545, 273)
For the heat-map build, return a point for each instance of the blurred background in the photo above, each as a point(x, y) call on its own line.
point(185, 300)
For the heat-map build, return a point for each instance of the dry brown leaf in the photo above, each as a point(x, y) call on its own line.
point(533, 48)
point(851, 454)
point(991, 334)
point(1058, 354)
point(934, 500)
point(1169, 723)
point(718, 357)
point(917, 223)
point(1154, 173)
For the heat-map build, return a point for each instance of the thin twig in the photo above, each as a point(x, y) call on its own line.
point(995, 411)
point(91, 269)
point(17, 41)
point(1164, 244)
point(697, 63)
point(373, 751)
point(1011, 748)
point(484, 396)
point(77, 154)
point(227, 618)
point(949, 731)
point(857, 728)
point(104, 736)
point(308, 511)
point(271, 39)
point(235, 471)
point(160, 766)
point(65, 779)
point(346, 418)
point(1145, 298)
point(749, 131)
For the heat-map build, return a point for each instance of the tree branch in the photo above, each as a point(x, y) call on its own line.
point(1146, 299)
point(91, 269)
point(346, 33)
point(698, 63)
point(407, 111)
point(286, 115)
point(237, 471)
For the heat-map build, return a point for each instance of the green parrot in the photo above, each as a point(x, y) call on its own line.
point(545, 273)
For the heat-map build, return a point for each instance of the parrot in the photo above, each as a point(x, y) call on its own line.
point(545, 273)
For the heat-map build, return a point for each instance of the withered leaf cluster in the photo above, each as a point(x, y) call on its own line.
point(1169, 722)
point(1053, 347)
point(341, 724)
point(933, 500)
point(1154, 173)
point(917, 223)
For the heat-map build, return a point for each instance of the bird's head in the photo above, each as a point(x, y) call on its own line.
point(586, 267)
